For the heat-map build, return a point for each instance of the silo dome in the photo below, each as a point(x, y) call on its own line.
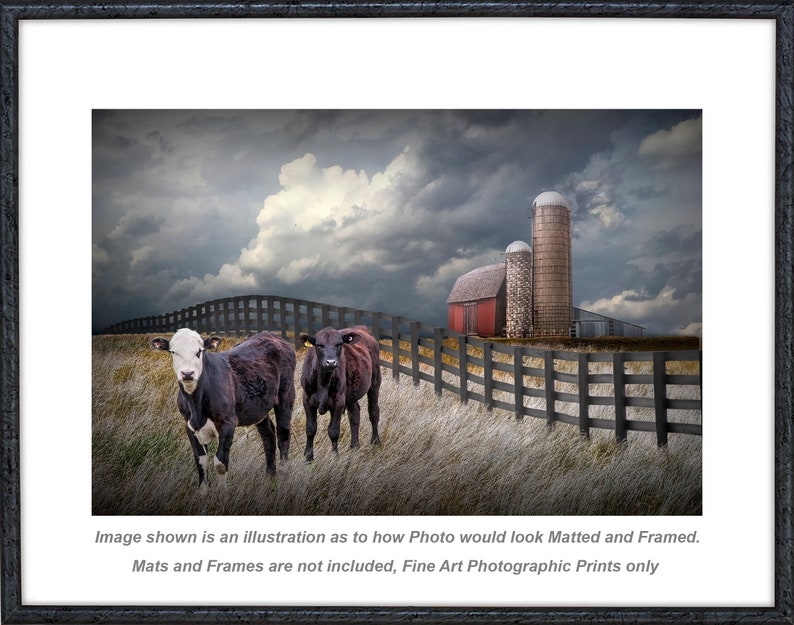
point(518, 246)
point(550, 198)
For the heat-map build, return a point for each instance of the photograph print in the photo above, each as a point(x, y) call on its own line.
point(396, 312)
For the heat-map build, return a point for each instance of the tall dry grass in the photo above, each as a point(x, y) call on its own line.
point(438, 457)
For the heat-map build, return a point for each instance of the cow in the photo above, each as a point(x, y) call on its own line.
point(339, 368)
point(221, 391)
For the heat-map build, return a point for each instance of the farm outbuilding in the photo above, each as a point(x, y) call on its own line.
point(476, 304)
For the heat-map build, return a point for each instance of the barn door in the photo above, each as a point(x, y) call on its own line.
point(470, 319)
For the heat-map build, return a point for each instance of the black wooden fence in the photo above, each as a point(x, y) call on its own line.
point(641, 391)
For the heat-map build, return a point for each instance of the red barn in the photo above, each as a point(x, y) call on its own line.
point(476, 304)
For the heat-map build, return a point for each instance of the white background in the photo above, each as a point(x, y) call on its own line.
point(725, 67)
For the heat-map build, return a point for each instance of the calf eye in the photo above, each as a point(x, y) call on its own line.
point(198, 353)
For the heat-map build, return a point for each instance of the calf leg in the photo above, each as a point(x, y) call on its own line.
point(283, 425)
point(201, 458)
point(374, 412)
point(268, 435)
point(286, 402)
point(354, 416)
point(333, 427)
point(225, 437)
point(311, 430)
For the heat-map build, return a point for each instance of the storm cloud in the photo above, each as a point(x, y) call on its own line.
point(383, 210)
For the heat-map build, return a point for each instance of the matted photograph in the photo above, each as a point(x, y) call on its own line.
point(353, 314)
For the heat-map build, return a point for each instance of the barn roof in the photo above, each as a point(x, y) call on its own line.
point(481, 283)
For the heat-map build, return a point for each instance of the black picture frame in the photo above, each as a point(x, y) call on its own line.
point(14, 611)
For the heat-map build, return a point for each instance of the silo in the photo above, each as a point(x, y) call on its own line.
point(518, 275)
point(551, 273)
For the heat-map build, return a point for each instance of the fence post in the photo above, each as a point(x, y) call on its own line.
point(463, 361)
point(201, 325)
point(247, 316)
point(259, 317)
point(619, 383)
point(282, 316)
point(487, 374)
point(415, 352)
point(584, 394)
point(239, 327)
point(660, 396)
point(266, 311)
point(216, 324)
point(438, 362)
point(309, 317)
point(548, 375)
point(224, 328)
point(518, 380)
point(376, 334)
point(395, 347)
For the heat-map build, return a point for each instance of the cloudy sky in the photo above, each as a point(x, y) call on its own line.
point(383, 210)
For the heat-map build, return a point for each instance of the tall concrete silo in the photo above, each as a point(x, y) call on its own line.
point(518, 278)
point(551, 273)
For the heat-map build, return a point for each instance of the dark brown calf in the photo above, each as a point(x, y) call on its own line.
point(339, 369)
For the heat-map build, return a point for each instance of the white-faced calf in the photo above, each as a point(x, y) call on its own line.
point(219, 392)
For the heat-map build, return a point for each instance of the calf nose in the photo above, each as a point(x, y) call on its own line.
point(330, 363)
point(188, 375)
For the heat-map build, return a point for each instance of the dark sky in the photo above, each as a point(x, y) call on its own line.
point(383, 210)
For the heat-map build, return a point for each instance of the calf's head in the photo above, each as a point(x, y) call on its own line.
point(187, 349)
point(328, 345)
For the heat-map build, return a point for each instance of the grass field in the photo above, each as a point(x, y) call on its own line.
point(438, 457)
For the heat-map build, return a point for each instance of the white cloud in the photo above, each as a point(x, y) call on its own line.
point(588, 185)
point(444, 277)
point(229, 280)
point(608, 215)
point(630, 304)
point(692, 329)
point(296, 270)
point(324, 221)
point(141, 255)
point(596, 197)
point(682, 139)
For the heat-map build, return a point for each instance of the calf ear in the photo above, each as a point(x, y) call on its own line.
point(160, 343)
point(306, 340)
point(350, 338)
point(212, 342)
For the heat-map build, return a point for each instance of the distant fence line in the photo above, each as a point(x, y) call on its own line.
point(498, 375)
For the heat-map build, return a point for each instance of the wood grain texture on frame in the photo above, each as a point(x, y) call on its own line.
point(14, 611)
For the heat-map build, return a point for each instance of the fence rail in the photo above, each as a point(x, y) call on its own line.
point(588, 390)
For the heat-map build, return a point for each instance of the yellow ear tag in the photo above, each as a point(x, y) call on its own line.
point(307, 344)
